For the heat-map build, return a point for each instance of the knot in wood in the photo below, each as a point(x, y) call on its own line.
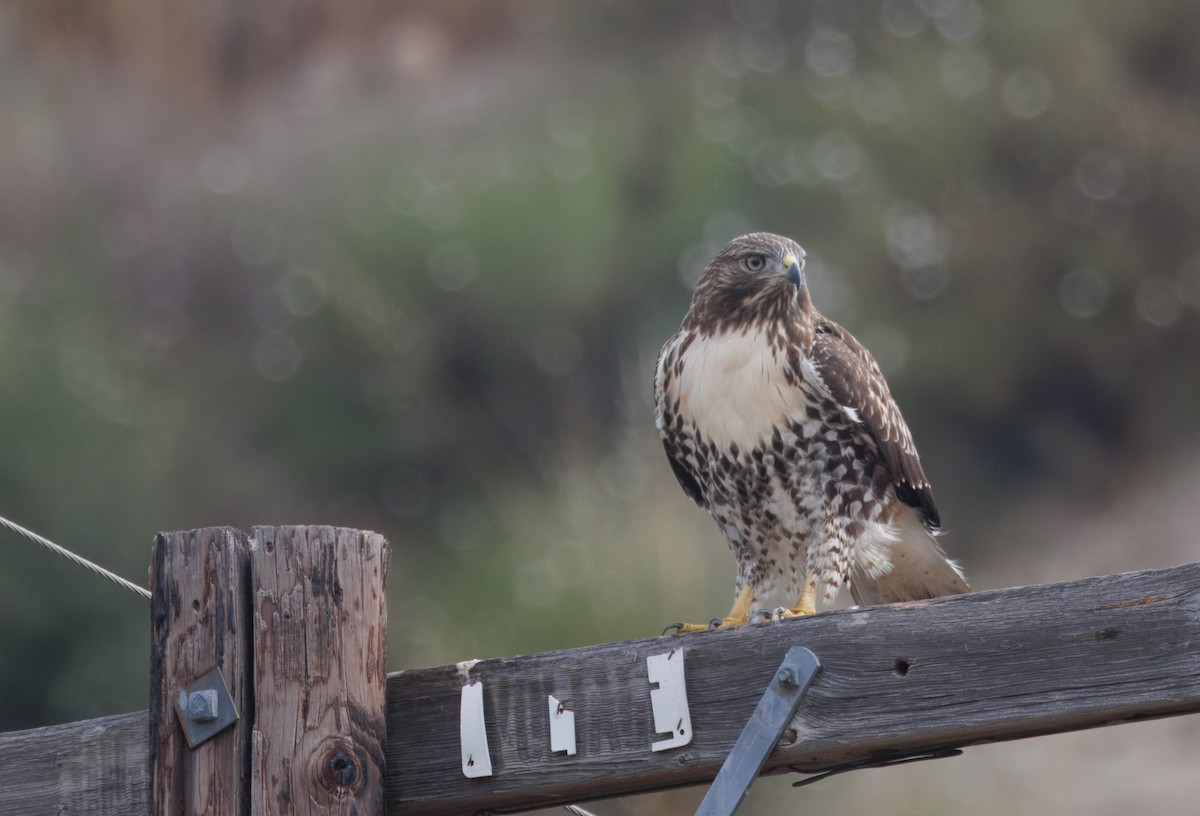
point(343, 768)
point(339, 768)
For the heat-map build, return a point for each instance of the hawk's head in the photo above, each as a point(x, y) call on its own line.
point(756, 278)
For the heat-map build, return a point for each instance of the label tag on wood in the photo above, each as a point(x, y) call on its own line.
point(669, 700)
point(562, 728)
point(476, 761)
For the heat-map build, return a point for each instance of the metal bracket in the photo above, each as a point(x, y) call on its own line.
point(205, 709)
point(771, 716)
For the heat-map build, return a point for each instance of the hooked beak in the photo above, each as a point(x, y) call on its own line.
point(793, 269)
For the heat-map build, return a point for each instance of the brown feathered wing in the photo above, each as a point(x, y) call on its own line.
point(920, 569)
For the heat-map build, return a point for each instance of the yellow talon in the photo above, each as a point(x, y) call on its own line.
point(739, 615)
point(806, 605)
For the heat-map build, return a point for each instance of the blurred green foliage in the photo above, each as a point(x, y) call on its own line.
point(407, 269)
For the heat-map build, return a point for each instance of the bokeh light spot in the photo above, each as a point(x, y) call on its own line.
point(1027, 93)
point(255, 240)
point(277, 357)
point(302, 291)
point(570, 122)
point(964, 72)
point(880, 101)
point(463, 525)
point(755, 14)
point(1082, 292)
point(1189, 282)
point(962, 22)
point(837, 156)
point(902, 18)
point(453, 266)
point(405, 491)
point(925, 282)
point(914, 236)
point(223, 169)
point(125, 234)
point(1099, 175)
point(763, 52)
point(557, 351)
point(829, 53)
point(1157, 301)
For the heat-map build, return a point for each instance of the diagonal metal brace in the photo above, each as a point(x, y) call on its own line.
point(772, 714)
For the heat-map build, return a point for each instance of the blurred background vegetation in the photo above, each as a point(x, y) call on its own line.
point(406, 267)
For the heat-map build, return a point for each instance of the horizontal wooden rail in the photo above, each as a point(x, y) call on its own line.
point(896, 680)
point(94, 766)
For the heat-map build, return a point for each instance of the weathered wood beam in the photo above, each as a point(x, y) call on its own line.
point(93, 766)
point(896, 680)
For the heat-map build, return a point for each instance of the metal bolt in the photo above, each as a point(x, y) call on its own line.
point(786, 677)
point(202, 705)
point(205, 708)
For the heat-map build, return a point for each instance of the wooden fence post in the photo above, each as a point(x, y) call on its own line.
point(295, 620)
point(320, 630)
point(200, 619)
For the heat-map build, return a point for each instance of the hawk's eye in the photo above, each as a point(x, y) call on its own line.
point(755, 263)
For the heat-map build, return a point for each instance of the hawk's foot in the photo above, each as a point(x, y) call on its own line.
point(738, 616)
point(783, 613)
point(806, 605)
point(715, 623)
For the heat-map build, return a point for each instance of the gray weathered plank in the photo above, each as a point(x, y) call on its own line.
point(981, 667)
point(895, 680)
point(94, 767)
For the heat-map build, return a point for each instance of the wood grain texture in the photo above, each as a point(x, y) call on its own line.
point(896, 680)
point(199, 619)
point(94, 767)
point(319, 673)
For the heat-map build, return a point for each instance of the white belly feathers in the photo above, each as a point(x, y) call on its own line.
point(733, 390)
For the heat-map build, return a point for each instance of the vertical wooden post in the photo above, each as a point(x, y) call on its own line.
point(200, 619)
point(295, 619)
point(320, 620)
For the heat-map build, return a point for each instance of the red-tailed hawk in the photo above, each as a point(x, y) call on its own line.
point(778, 422)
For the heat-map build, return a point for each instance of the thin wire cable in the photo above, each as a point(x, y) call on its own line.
point(78, 559)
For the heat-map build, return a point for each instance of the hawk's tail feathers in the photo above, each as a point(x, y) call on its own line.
point(920, 569)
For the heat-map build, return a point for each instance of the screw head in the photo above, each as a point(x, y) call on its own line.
point(202, 705)
point(785, 677)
